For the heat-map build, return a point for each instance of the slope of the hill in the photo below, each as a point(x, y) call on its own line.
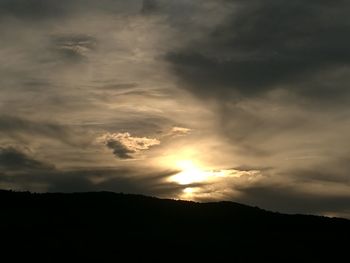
point(121, 228)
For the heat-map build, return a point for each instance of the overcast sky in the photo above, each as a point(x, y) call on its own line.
point(241, 100)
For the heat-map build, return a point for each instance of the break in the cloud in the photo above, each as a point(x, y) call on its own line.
point(124, 145)
point(261, 85)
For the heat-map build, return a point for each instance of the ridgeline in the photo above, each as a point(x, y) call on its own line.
point(114, 227)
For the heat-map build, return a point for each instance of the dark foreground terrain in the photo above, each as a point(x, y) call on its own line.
point(108, 227)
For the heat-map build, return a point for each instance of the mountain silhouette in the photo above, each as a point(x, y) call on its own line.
point(110, 227)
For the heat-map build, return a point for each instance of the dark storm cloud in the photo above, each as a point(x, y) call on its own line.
point(291, 200)
point(268, 44)
point(48, 9)
point(9, 124)
point(20, 128)
point(12, 159)
point(323, 175)
point(32, 8)
point(21, 171)
point(148, 6)
point(148, 184)
point(332, 170)
point(127, 181)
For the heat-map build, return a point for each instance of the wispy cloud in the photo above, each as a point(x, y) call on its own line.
point(179, 131)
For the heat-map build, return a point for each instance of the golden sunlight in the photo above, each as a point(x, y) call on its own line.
point(189, 193)
point(203, 182)
point(190, 173)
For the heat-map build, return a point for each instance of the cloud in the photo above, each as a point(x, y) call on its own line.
point(292, 200)
point(51, 9)
point(148, 6)
point(9, 124)
point(250, 83)
point(24, 130)
point(119, 149)
point(74, 46)
point(266, 45)
point(221, 184)
point(12, 159)
point(19, 170)
point(115, 180)
point(179, 131)
point(124, 145)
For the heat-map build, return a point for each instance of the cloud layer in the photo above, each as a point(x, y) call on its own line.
point(95, 93)
point(263, 46)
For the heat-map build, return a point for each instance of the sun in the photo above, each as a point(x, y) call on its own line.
point(190, 173)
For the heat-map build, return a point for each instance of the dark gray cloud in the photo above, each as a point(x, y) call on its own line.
point(119, 149)
point(9, 124)
point(32, 8)
point(126, 181)
point(51, 9)
point(21, 129)
point(264, 45)
point(153, 184)
point(19, 170)
point(291, 200)
point(12, 159)
point(148, 6)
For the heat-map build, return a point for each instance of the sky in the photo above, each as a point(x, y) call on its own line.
point(203, 100)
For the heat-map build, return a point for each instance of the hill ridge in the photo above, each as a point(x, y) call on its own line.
point(106, 225)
